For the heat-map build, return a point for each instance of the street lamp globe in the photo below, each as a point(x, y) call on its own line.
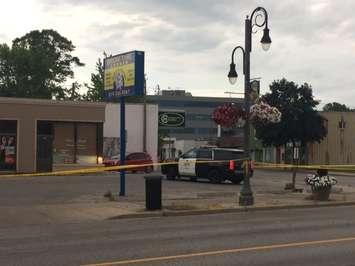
point(232, 75)
point(266, 40)
point(232, 80)
point(266, 46)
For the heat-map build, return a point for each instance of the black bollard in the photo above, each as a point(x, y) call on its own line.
point(153, 192)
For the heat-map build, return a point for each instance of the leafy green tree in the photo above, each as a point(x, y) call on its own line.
point(336, 107)
point(7, 80)
point(95, 91)
point(37, 65)
point(300, 121)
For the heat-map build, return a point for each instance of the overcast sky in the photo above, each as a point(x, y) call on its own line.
point(188, 43)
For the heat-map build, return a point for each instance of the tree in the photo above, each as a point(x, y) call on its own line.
point(72, 93)
point(300, 122)
point(7, 80)
point(336, 107)
point(37, 65)
point(95, 91)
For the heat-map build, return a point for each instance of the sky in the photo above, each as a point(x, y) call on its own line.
point(188, 43)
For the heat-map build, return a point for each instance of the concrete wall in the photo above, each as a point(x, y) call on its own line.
point(134, 126)
point(339, 145)
point(269, 155)
point(28, 111)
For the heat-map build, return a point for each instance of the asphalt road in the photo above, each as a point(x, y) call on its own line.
point(322, 236)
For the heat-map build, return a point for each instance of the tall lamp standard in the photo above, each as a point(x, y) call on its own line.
point(246, 195)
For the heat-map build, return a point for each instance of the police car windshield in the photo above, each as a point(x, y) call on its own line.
point(190, 154)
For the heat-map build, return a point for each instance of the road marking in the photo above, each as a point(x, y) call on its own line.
point(221, 252)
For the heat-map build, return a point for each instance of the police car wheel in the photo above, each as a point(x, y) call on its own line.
point(214, 176)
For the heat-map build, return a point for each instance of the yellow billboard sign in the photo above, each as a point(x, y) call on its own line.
point(124, 74)
point(113, 76)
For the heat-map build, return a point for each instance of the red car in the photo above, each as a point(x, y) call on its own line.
point(136, 158)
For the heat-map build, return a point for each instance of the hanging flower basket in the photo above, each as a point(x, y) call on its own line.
point(228, 115)
point(262, 113)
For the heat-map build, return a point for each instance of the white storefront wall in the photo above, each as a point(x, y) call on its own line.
point(134, 127)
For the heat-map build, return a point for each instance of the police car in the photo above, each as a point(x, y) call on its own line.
point(215, 164)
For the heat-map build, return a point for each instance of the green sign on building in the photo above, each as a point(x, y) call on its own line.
point(171, 119)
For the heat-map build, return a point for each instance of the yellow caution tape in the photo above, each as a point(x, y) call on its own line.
point(346, 168)
point(103, 169)
point(85, 170)
point(257, 165)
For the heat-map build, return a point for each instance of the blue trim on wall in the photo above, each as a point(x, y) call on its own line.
point(139, 73)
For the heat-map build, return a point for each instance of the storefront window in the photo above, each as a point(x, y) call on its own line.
point(86, 144)
point(63, 144)
point(8, 134)
point(75, 143)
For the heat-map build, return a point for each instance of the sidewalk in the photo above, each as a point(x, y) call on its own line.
point(217, 202)
point(179, 198)
point(129, 207)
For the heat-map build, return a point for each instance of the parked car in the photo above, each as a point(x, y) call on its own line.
point(211, 163)
point(136, 158)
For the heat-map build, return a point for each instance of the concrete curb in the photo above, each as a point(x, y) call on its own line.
point(150, 214)
point(166, 213)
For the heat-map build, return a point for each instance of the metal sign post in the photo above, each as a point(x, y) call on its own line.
point(124, 76)
point(122, 145)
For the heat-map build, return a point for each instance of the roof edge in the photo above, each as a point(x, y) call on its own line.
point(33, 101)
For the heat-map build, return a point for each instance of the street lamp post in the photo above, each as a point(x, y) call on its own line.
point(121, 86)
point(246, 195)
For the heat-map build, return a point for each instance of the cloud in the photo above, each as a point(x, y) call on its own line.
point(188, 44)
point(3, 38)
point(181, 13)
point(157, 33)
